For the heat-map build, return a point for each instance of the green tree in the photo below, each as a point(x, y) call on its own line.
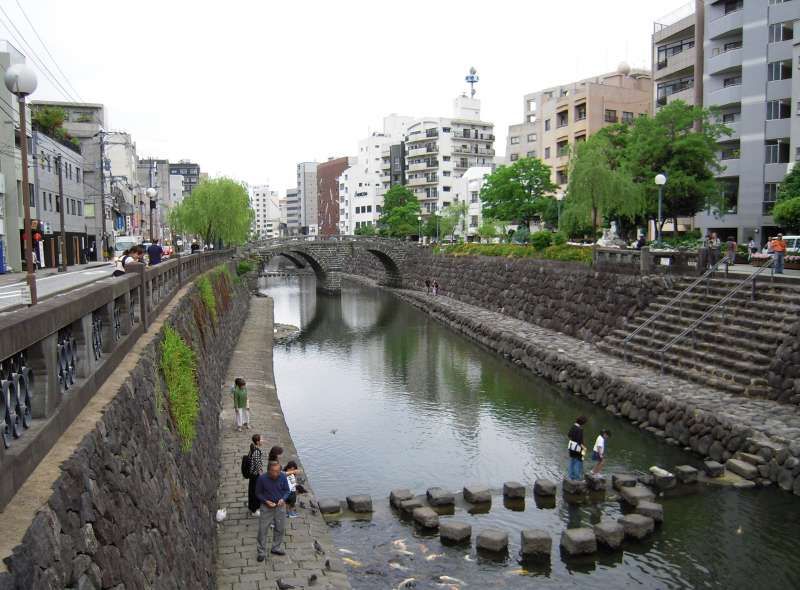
point(49, 120)
point(790, 187)
point(515, 192)
point(786, 214)
point(597, 190)
point(452, 216)
point(365, 230)
point(489, 228)
point(218, 210)
point(400, 211)
point(430, 225)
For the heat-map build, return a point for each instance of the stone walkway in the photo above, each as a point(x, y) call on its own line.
point(303, 566)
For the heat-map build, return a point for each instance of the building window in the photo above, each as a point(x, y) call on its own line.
point(446, 189)
point(531, 154)
point(473, 221)
point(580, 138)
point(531, 118)
point(778, 70)
point(731, 117)
point(561, 177)
point(610, 116)
point(514, 140)
point(731, 45)
point(580, 112)
point(770, 196)
point(779, 109)
point(445, 173)
point(514, 157)
point(562, 148)
point(733, 6)
point(627, 117)
point(531, 137)
point(562, 119)
point(729, 189)
point(730, 152)
point(464, 163)
point(777, 151)
point(80, 208)
point(781, 32)
point(446, 158)
point(666, 51)
point(671, 87)
point(531, 105)
point(547, 153)
point(473, 197)
point(547, 125)
point(732, 81)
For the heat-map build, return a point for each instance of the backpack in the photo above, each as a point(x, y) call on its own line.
point(246, 466)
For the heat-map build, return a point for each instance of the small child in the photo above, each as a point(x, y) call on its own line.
point(241, 405)
point(599, 451)
point(291, 471)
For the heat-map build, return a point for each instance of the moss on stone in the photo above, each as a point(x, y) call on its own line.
point(179, 365)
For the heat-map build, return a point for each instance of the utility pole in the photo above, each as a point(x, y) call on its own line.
point(103, 238)
point(62, 249)
point(26, 200)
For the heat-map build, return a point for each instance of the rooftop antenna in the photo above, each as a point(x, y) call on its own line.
point(472, 79)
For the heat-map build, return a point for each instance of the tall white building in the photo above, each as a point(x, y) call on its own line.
point(468, 190)
point(362, 186)
point(266, 206)
point(307, 195)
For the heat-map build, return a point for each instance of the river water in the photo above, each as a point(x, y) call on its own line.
point(379, 396)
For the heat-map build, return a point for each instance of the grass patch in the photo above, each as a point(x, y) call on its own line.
point(179, 365)
point(207, 296)
point(244, 267)
point(561, 252)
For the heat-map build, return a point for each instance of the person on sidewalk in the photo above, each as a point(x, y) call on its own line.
point(241, 406)
point(435, 287)
point(731, 250)
point(752, 248)
point(599, 452)
point(272, 491)
point(713, 248)
point(779, 252)
point(256, 469)
point(427, 286)
point(576, 449)
point(291, 470)
point(275, 454)
point(154, 253)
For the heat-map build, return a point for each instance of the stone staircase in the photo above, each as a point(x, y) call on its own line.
point(731, 351)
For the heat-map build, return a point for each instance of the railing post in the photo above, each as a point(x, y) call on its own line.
point(42, 359)
point(753, 290)
point(83, 342)
point(143, 295)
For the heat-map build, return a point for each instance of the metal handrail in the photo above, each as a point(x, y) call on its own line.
point(719, 304)
point(678, 298)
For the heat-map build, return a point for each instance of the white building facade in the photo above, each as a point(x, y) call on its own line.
point(266, 206)
point(308, 198)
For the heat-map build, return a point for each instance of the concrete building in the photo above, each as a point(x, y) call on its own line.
point(266, 206)
point(283, 227)
point(328, 174)
point(556, 118)
point(154, 173)
point(439, 150)
point(293, 208)
point(307, 194)
point(190, 172)
point(380, 164)
point(468, 190)
point(48, 152)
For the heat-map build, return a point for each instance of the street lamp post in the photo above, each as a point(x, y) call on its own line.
point(419, 221)
point(151, 194)
point(661, 180)
point(559, 198)
point(21, 81)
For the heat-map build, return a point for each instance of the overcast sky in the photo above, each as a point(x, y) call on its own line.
point(248, 89)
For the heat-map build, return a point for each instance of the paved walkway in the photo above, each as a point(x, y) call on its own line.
point(237, 568)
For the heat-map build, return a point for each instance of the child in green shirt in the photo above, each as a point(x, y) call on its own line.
point(241, 406)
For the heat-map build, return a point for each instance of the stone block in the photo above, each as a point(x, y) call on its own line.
point(623, 480)
point(329, 506)
point(662, 479)
point(440, 497)
point(750, 458)
point(492, 540)
point(426, 517)
point(452, 531)
point(536, 544)
point(409, 506)
point(400, 495)
point(714, 469)
point(609, 533)
point(580, 541)
point(651, 510)
point(686, 474)
point(477, 494)
point(742, 468)
point(513, 489)
point(544, 487)
point(360, 503)
point(637, 526)
point(636, 494)
point(574, 486)
point(595, 483)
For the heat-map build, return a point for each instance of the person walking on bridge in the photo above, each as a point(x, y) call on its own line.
point(272, 491)
point(154, 253)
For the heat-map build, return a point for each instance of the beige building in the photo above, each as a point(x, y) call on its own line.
point(556, 118)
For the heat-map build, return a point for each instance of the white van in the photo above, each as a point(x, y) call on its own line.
point(123, 243)
point(792, 244)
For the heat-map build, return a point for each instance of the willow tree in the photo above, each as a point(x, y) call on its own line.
point(218, 210)
point(597, 190)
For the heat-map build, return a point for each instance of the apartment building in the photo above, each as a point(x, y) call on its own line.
point(554, 119)
point(328, 174)
point(293, 212)
point(307, 195)
point(468, 190)
point(438, 150)
point(266, 207)
point(190, 172)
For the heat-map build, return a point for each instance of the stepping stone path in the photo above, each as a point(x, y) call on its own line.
point(651, 510)
point(544, 487)
point(426, 517)
point(623, 480)
point(513, 490)
point(663, 479)
point(742, 468)
point(492, 540)
point(408, 506)
point(637, 526)
point(714, 469)
point(477, 494)
point(440, 497)
point(452, 531)
point(359, 504)
point(536, 544)
point(638, 493)
point(609, 533)
point(329, 506)
point(574, 487)
point(396, 497)
point(686, 474)
point(580, 541)
point(596, 483)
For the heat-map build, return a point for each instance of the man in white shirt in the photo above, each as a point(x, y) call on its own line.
point(599, 452)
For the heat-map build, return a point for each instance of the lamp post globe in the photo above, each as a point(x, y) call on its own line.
point(660, 180)
point(151, 192)
point(20, 80)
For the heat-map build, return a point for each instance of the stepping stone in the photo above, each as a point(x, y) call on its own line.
point(453, 531)
point(477, 494)
point(686, 474)
point(651, 510)
point(609, 533)
point(749, 458)
point(408, 506)
point(536, 544)
point(492, 540)
point(398, 496)
point(544, 487)
point(742, 468)
point(360, 503)
point(513, 489)
point(329, 506)
point(426, 517)
point(636, 494)
point(623, 480)
point(574, 486)
point(714, 468)
point(579, 541)
point(440, 497)
point(662, 479)
point(637, 526)
point(595, 483)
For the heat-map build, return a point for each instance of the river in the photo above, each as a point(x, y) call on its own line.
point(379, 396)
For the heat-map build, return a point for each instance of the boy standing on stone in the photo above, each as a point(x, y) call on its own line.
point(599, 452)
point(241, 406)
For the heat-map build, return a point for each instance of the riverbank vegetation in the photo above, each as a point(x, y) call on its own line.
point(179, 366)
point(563, 252)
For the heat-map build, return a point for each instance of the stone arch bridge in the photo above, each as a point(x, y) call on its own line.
point(330, 257)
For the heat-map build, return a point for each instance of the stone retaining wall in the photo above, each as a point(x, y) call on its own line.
point(130, 508)
point(565, 296)
point(784, 372)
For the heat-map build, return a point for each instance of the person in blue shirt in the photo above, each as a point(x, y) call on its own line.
point(272, 491)
point(154, 252)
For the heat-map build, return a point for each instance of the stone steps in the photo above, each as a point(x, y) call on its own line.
point(752, 347)
point(715, 330)
point(746, 318)
point(698, 305)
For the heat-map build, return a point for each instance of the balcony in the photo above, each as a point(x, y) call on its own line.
point(418, 151)
point(386, 178)
point(724, 61)
point(731, 168)
point(778, 128)
point(423, 181)
point(774, 172)
point(423, 166)
point(725, 96)
point(725, 24)
point(778, 89)
point(675, 64)
point(734, 127)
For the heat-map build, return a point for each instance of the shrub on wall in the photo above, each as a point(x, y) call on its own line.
point(207, 296)
point(179, 365)
point(541, 239)
point(563, 252)
point(244, 267)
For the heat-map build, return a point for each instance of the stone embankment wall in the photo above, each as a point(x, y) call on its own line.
point(568, 297)
point(784, 373)
point(130, 508)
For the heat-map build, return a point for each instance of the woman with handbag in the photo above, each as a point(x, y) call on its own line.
point(256, 469)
